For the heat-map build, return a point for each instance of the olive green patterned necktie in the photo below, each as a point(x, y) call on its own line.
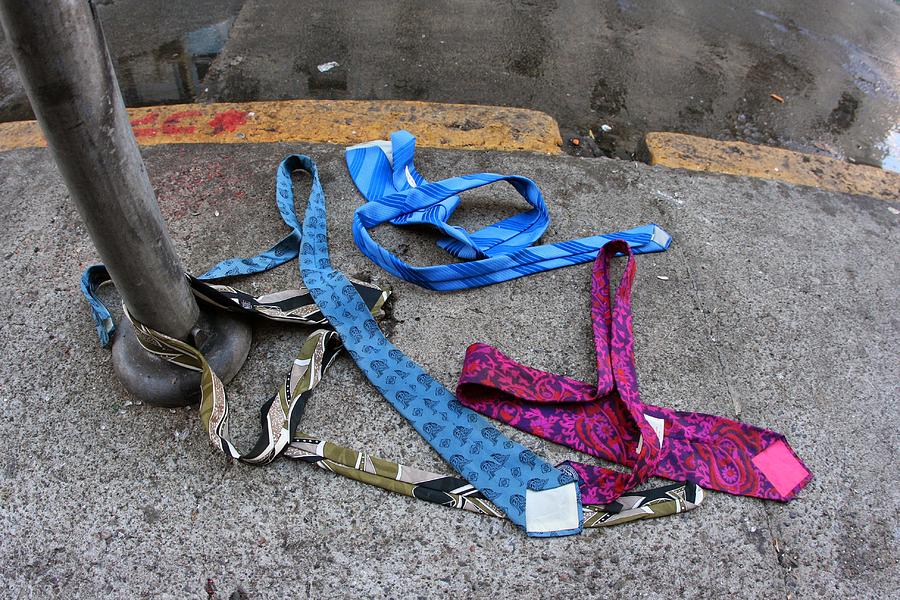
point(281, 414)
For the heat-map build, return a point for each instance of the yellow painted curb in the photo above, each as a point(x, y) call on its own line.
point(435, 125)
point(680, 151)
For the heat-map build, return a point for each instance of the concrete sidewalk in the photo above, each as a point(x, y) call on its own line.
point(780, 306)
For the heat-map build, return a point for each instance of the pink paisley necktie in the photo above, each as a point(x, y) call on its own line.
point(609, 420)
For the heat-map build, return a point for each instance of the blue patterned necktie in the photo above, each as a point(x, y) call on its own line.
point(287, 249)
point(534, 495)
point(545, 501)
point(385, 175)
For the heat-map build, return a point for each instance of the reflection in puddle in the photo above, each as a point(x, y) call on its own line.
point(891, 148)
point(174, 71)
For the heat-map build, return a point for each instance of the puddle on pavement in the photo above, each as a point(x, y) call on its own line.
point(174, 71)
point(891, 148)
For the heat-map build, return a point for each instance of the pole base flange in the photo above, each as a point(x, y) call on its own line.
point(224, 340)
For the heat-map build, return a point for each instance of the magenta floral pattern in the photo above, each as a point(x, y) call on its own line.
point(608, 420)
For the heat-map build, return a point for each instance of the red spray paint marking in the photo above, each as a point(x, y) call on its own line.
point(228, 120)
point(169, 125)
point(149, 119)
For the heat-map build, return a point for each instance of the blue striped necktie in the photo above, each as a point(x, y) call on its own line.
point(533, 494)
point(385, 175)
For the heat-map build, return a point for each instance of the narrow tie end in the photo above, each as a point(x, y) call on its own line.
point(661, 237)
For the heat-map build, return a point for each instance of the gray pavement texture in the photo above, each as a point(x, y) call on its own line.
point(780, 306)
point(706, 68)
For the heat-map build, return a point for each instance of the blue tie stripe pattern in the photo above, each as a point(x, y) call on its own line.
point(385, 175)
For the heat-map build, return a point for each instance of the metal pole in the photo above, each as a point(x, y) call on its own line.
point(62, 59)
point(61, 55)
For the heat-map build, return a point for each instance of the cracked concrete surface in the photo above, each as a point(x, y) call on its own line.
point(780, 303)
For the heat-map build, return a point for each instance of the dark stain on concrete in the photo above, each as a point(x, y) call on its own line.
point(151, 514)
point(844, 114)
point(531, 19)
point(606, 98)
point(467, 125)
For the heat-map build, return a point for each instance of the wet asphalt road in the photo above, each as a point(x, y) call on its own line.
point(608, 71)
